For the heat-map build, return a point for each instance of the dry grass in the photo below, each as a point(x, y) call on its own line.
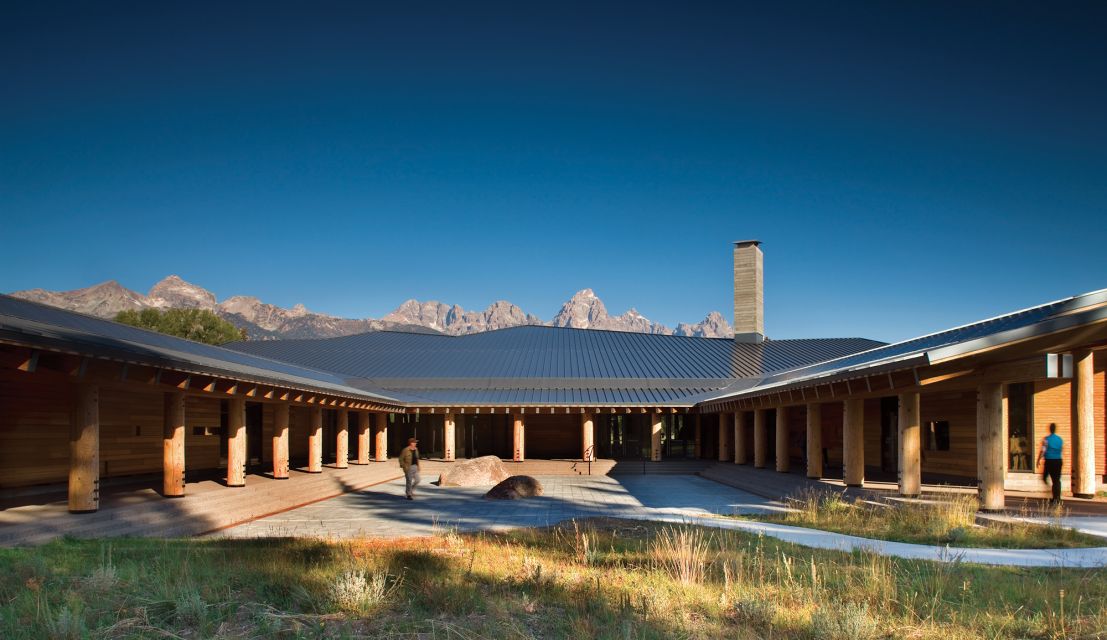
point(940, 520)
point(629, 580)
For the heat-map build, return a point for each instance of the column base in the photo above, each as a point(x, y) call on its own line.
point(815, 477)
point(172, 495)
point(910, 495)
point(236, 486)
point(319, 471)
point(1084, 496)
point(80, 511)
point(856, 486)
point(345, 466)
point(280, 477)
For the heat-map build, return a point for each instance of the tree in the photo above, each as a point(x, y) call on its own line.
point(200, 325)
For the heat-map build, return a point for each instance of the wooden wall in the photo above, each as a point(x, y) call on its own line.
point(34, 429)
point(553, 436)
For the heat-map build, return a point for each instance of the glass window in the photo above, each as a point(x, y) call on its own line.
point(1020, 427)
point(937, 435)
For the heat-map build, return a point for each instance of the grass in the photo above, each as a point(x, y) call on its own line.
point(601, 579)
point(947, 520)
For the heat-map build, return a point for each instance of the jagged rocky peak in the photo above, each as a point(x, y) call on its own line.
point(103, 300)
point(583, 311)
point(175, 292)
point(713, 326)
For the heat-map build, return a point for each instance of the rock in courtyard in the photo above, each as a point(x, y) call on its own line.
point(484, 471)
point(514, 488)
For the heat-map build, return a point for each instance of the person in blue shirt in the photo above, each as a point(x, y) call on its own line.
point(1051, 453)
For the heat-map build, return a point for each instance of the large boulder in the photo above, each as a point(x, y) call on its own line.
point(514, 488)
point(484, 471)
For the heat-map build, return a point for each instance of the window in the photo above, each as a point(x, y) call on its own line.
point(937, 435)
point(1020, 427)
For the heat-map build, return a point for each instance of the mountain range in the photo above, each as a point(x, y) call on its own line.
point(264, 321)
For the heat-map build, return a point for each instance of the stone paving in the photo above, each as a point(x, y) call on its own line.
point(382, 511)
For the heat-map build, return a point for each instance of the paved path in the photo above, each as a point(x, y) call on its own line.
point(382, 510)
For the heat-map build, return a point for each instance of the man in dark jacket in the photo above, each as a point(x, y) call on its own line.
point(409, 462)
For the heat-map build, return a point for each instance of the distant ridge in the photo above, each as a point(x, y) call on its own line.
point(264, 321)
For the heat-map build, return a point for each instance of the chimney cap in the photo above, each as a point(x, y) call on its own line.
point(743, 243)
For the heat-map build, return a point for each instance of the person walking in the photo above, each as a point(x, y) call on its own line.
point(1050, 452)
point(409, 462)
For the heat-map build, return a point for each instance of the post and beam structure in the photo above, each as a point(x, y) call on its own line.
point(519, 438)
point(910, 445)
point(173, 446)
point(1083, 424)
point(449, 437)
point(853, 442)
point(364, 439)
point(380, 433)
point(342, 440)
point(84, 452)
point(741, 455)
point(989, 445)
point(657, 425)
point(280, 440)
point(236, 442)
point(760, 438)
point(587, 437)
point(815, 440)
point(782, 461)
point(315, 440)
point(726, 432)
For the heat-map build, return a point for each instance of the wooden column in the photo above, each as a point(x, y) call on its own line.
point(236, 442)
point(657, 425)
point(1083, 424)
point(699, 437)
point(519, 438)
point(726, 431)
point(741, 455)
point(449, 437)
point(760, 438)
point(989, 445)
point(853, 442)
point(587, 437)
point(280, 441)
point(315, 440)
point(342, 440)
point(84, 452)
point(363, 437)
point(814, 440)
point(173, 446)
point(380, 434)
point(782, 461)
point(910, 445)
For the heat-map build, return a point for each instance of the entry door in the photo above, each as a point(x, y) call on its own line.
point(253, 432)
point(627, 437)
point(889, 435)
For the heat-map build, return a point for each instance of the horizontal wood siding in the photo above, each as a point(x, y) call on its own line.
point(959, 409)
point(34, 429)
point(553, 436)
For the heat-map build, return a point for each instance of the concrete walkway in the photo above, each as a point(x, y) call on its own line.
point(382, 511)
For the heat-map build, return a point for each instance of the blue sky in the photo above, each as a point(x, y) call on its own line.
point(909, 166)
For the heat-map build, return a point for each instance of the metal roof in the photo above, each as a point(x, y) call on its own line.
point(539, 352)
point(944, 345)
point(38, 325)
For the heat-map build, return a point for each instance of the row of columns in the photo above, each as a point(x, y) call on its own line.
point(84, 445)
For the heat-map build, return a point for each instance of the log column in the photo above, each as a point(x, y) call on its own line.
point(587, 437)
point(814, 440)
point(699, 437)
point(236, 442)
point(363, 437)
point(342, 440)
point(989, 445)
point(1083, 424)
point(519, 438)
point(380, 432)
point(910, 445)
point(853, 442)
point(741, 455)
point(315, 440)
point(782, 461)
point(760, 439)
point(280, 441)
point(173, 446)
point(726, 431)
point(84, 452)
point(657, 425)
point(449, 437)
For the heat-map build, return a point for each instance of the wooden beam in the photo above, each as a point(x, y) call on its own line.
point(84, 452)
point(173, 445)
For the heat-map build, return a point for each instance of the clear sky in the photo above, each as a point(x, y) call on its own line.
point(909, 165)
